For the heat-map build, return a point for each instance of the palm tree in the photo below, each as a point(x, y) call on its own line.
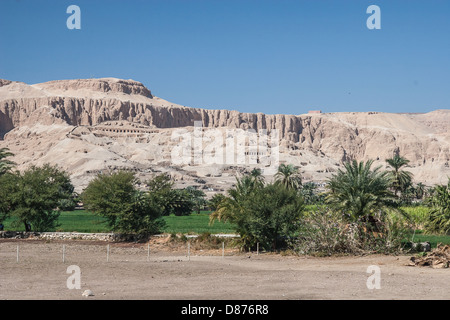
point(400, 179)
point(197, 197)
point(308, 192)
point(257, 176)
point(5, 165)
point(439, 218)
point(232, 206)
point(288, 176)
point(226, 210)
point(246, 185)
point(360, 192)
point(215, 201)
point(260, 213)
point(420, 190)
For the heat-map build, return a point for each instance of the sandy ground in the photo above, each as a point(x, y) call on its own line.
point(168, 273)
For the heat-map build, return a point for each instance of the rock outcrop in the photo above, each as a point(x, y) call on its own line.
point(61, 122)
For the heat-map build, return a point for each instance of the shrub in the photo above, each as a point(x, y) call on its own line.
point(67, 204)
point(173, 237)
point(32, 197)
point(207, 241)
point(115, 197)
point(326, 232)
point(264, 214)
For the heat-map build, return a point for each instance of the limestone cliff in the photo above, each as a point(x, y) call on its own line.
point(318, 143)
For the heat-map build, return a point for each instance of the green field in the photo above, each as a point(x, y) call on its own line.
point(84, 221)
point(196, 223)
point(418, 215)
point(433, 239)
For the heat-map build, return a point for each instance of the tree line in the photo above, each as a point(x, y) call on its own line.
point(357, 197)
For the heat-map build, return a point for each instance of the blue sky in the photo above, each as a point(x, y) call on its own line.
point(270, 56)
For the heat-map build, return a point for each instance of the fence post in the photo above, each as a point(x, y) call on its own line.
point(189, 251)
point(148, 251)
point(63, 253)
point(223, 249)
point(17, 253)
point(107, 253)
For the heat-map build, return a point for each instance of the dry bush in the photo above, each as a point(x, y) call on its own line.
point(325, 232)
point(204, 241)
point(208, 241)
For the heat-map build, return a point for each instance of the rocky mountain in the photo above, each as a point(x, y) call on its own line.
point(91, 125)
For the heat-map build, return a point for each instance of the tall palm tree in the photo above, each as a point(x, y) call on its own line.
point(360, 192)
point(401, 179)
point(5, 164)
point(288, 176)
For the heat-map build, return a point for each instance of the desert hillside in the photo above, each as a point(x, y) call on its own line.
point(91, 125)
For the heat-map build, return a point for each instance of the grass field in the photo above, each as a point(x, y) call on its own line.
point(196, 223)
point(84, 221)
point(433, 239)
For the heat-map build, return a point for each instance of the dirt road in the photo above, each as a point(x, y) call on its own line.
point(168, 273)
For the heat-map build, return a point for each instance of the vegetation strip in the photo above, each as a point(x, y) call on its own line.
point(361, 210)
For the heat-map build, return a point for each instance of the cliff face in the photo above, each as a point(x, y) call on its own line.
point(88, 102)
point(422, 138)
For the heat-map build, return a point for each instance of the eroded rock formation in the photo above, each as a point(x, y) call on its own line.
point(90, 125)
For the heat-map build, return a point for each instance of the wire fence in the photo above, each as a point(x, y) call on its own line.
point(23, 251)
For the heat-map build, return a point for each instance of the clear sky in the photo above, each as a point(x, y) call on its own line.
point(270, 56)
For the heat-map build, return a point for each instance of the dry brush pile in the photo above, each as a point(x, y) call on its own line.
point(438, 258)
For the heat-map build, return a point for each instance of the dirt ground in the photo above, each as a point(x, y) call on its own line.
point(168, 273)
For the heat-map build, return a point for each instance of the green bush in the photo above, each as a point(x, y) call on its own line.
point(179, 202)
point(32, 197)
point(67, 204)
point(114, 196)
point(263, 214)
